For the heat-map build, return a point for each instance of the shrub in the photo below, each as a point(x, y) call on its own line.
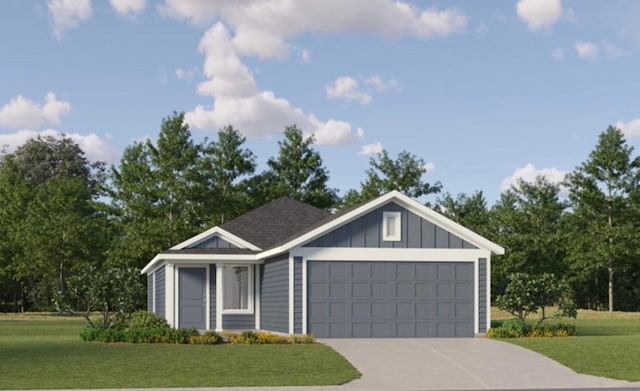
point(551, 330)
point(265, 337)
point(302, 339)
point(512, 328)
point(209, 338)
point(146, 320)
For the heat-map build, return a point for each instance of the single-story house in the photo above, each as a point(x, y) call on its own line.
point(390, 267)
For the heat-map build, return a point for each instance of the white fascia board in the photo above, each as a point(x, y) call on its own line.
point(216, 231)
point(199, 258)
point(390, 254)
point(412, 205)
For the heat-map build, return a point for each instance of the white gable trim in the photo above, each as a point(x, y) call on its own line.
point(216, 231)
point(199, 259)
point(412, 205)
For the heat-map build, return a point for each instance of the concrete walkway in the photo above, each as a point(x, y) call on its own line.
point(460, 364)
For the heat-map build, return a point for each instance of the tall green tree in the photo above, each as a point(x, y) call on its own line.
point(298, 172)
point(602, 191)
point(468, 210)
point(156, 191)
point(528, 221)
point(386, 174)
point(50, 217)
point(226, 167)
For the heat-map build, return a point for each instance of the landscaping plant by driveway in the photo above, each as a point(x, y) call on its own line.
point(38, 354)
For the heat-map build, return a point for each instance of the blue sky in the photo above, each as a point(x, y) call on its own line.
point(484, 91)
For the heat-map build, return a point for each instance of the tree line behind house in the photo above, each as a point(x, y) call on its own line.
point(62, 215)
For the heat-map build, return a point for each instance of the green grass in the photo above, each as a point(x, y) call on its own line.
point(48, 353)
point(603, 347)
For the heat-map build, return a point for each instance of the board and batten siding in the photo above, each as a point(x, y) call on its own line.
point(366, 231)
point(159, 292)
point(482, 295)
point(212, 297)
point(214, 242)
point(274, 294)
point(297, 295)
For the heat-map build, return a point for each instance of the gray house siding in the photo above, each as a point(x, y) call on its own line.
point(150, 292)
point(274, 294)
point(214, 242)
point(212, 296)
point(366, 231)
point(160, 291)
point(297, 295)
point(482, 295)
point(238, 322)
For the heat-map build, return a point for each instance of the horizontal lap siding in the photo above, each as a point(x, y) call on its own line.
point(150, 292)
point(274, 294)
point(160, 291)
point(212, 297)
point(482, 295)
point(297, 295)
point(366, 231)
point(238, 321)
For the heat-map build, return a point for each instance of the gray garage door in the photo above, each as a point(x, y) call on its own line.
point(390, 299)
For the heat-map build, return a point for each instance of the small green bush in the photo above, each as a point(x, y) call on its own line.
point(302, 339)
point(265, 337)
point(146, 320)
point(209, 338)
point(552, 330)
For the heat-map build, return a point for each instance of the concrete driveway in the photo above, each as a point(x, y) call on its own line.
point(461, 364)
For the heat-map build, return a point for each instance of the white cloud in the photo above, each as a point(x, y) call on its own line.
point(539, 14)
point(128, 7)
point(350, 88)
point(305, 56)
point(94, 147)
point(529, 173)
point(347, 88)
point(67, 14)
point(587, 50)
point(21, 112)
point(630, 129)
point(613, 51)
point(262, 27)
point(381, 85)
point(186, 74)
point(239, 101)
point(371, 149)
point(557, 54)
point(429, 167)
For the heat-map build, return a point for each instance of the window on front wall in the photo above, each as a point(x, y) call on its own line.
point(391, 227)
point(236, 280)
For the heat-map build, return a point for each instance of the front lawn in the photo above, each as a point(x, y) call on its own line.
point(48, 353)
point(607, 345)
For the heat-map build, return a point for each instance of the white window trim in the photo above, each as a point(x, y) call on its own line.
point(251, 282)
point(397, 216)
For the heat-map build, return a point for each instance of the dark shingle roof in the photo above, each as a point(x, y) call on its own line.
point(272, 223)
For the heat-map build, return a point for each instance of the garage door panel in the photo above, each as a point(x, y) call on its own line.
point(405, 272)
point(405, 311)
point(463, 290)
point(444, 291)
point(390, 299)
point(361, 310)
point(464, 272)
point(405, 290)
point(361, 290)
